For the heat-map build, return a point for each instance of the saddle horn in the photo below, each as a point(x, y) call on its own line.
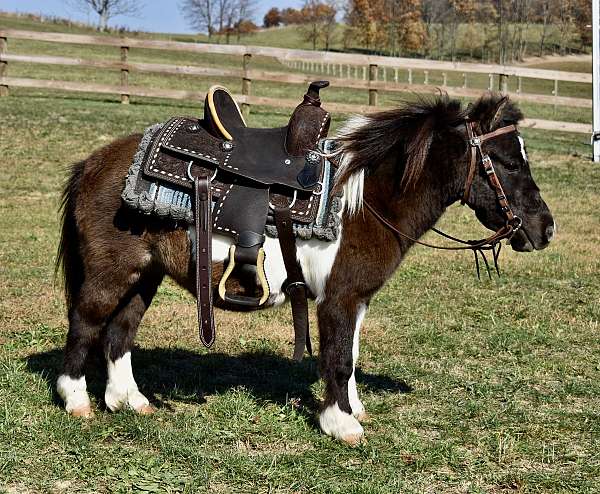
point(308, 123)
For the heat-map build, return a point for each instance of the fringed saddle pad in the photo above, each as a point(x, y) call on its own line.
point(155, 197)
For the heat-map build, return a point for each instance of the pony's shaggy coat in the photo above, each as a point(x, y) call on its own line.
point(409, 163)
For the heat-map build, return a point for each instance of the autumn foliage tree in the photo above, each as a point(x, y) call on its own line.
point(290, 16)
point(318, 22)
point(272, 18)
point(386, 25)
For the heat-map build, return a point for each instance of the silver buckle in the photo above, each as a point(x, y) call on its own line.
point(189, 172)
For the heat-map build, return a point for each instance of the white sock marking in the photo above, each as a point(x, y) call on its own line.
point(73, 392)
point(355, 403)
point(121, 388)
point(339, 424)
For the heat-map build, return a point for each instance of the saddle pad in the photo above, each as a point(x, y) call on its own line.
point(165, 200)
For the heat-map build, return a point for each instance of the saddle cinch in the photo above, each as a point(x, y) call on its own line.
point(241, 178)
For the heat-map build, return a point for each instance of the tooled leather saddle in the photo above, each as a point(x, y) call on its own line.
point(240, 178)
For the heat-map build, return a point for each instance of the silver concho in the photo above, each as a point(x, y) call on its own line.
point(227, 145)
point(288, 161)
point(313, 157)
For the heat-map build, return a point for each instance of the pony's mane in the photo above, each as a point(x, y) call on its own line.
point(408, 132)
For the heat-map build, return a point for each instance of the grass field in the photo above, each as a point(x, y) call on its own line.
point(472, 387)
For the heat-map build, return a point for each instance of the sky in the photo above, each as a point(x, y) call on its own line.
point(159, 15)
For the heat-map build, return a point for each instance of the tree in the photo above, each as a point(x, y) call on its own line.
point(272, 18)
point(318, 21)
point(107, 9)
point(218, 16)
point(291, 16)
point(200, 14)
point(387, 25)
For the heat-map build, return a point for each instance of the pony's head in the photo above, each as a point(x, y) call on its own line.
point(511, 163)
point(426, 144)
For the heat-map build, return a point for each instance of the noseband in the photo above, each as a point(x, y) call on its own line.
point(512, 222)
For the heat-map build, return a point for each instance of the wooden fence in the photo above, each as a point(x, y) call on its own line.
point(367, 71)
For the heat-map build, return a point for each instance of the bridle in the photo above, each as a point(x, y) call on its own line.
point(512, 222)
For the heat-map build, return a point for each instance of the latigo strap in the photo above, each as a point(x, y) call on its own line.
point(295, 286)
point(202, 210)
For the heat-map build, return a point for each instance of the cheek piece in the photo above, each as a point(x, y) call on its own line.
point(512, 222)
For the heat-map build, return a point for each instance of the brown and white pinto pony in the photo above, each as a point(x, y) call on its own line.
point(410, 164)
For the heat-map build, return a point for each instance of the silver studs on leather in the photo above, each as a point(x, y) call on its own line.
point(288, 161)
point(227, 145)
point(193, 128)
point(313, 158)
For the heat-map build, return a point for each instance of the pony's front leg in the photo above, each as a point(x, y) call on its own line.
point(339, 326)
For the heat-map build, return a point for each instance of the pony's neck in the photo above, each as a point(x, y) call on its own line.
point(416, 210)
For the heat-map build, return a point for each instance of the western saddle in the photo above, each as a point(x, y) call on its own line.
point(241, 178)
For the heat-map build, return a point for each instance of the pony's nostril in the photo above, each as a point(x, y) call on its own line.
point(549, 233)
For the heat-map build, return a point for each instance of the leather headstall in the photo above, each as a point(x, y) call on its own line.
point(512, 224)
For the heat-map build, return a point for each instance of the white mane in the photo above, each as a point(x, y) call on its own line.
point(353, 187)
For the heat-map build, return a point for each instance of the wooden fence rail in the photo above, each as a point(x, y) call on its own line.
point(373, 80)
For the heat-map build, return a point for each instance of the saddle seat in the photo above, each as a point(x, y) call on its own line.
point(243, 177)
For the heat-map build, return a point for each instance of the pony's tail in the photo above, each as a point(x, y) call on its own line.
point(68, 258)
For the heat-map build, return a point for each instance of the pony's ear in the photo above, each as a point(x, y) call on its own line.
point(497, 115)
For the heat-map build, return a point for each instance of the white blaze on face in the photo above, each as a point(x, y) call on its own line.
point(523, 153)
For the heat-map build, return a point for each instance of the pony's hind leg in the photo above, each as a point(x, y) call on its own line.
point(121, 389)
point(87, 317)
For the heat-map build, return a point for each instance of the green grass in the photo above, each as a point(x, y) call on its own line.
point(471, 386)
point(478, 387)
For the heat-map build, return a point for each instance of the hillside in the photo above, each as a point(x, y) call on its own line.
point(469, 47)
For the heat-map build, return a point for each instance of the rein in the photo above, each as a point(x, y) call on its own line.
point(492, 243)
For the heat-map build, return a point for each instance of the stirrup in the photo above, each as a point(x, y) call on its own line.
point(262, 277)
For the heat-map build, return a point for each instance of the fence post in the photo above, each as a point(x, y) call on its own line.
point(372, 91)
point(444, 79)
point(465, 80)
point(3, 65)
point(246, 84)
point(491, 84)
point(426, 81)
point(124, 76)
point(555, 92)
point(364, 71)
point(410, 76)
point(503, 83)
point(519, 84)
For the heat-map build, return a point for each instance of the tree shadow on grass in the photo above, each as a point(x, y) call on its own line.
point(171, 374)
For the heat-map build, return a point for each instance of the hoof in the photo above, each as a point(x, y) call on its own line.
point(145, 409)
point(353, 439)
point(362, 417)
point(84, 412)
point(340, 425)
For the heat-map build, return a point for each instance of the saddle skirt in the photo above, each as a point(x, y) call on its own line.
point(162, 199)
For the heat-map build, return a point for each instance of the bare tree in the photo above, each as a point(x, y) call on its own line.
point(107, 9)
point(200, 14)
